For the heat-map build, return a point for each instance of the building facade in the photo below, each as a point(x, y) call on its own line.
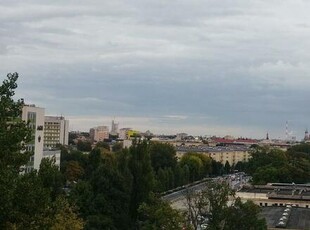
point(114, 128)
point(99, 133)
point(123, 133)
point(56, 131)
point(35, 116)
point(233, 154)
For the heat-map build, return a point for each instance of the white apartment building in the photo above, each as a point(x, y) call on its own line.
point(56, 131)
point(99, 133)
point(35, 116)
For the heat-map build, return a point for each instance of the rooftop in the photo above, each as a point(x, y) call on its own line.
point(299, 218)
point(203, 148)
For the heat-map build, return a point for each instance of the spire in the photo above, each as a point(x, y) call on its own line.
point(267, 136)
point(306, 135)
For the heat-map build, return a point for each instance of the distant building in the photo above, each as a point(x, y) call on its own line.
point(35, 116)
point(132, 134)
point(307, 137)
point(232, 154)
point(47, 132)
point(148, 134)
point(123, 133)
point(114, 128)
point(228, 141)
point(99, 133)
point(181, 136)
point(55, 131)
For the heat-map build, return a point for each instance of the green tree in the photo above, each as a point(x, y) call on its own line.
point(157, 214)
point(73, 171)
point(30, 203)
point(162, 178)
point(73, 164)
point(94, 161)
point(82, 195)
point(104, 145)
point(163, 155)
point(178, 176)
point(65, 217)
point(206, 163)
point(186, 174)
point(194, 164)
point(51, 177)
point(200, 165)
point(217, 168)
point(273, 165)
point(212, 202)
point(244, 216)
point(142, 175)
point(27, 200)
point(84, 146)
point(117, 147)
point(241, 166)
point(302, 148)
point(104, 197)
point(265, 174)
point(14, 133)
point(227, 168)
point(111, 196)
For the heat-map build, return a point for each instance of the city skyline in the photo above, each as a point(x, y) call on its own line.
point(143, 124)
point(202, 67)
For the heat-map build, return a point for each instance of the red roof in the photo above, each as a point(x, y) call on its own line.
point(223, 140)
point(230, 141)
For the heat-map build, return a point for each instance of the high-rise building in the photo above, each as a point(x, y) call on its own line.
point(55, 131)
point(114, 128)
point(99, 133)
point(35, 116)
point(307, 137)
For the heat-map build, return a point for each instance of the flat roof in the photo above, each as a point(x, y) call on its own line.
point(299, 218)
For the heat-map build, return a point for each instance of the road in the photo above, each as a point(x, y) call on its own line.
point(177, 199)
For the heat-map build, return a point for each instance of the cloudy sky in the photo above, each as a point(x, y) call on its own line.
point(199, 66)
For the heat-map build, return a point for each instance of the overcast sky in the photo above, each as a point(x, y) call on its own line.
point(198, 66)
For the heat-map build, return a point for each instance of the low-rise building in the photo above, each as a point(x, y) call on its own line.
point(232, 154)
point(128, 133)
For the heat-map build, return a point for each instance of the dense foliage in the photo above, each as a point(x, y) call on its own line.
point(117, 188)
point(274, 165)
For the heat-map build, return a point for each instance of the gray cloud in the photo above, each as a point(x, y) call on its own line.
point(227, 67)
